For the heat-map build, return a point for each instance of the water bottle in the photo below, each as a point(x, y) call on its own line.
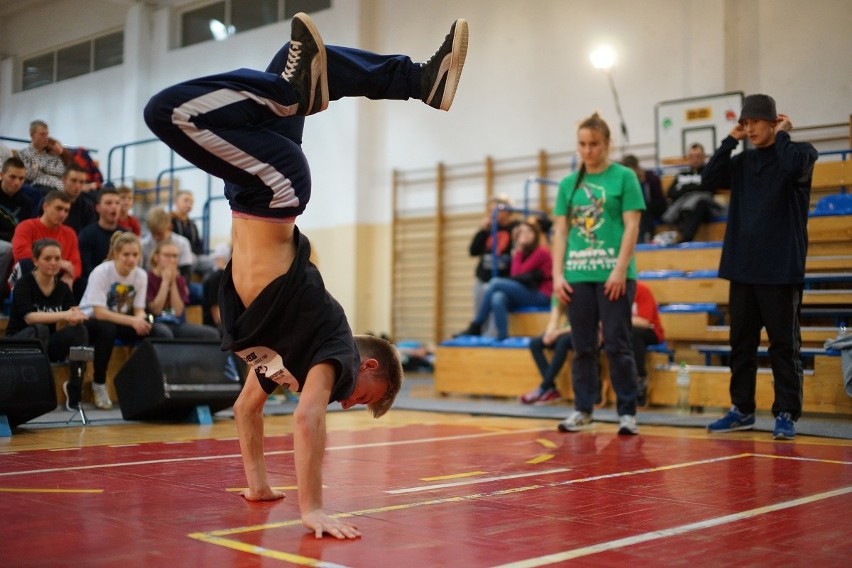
point(683, 381)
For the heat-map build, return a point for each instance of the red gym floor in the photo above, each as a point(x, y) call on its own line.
point(440, 492)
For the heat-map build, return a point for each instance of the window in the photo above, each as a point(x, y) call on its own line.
point(202, 24)
point(293, 7)
point(250, 14)
point(109, 51)
point(220, 20)
point(73, 60)
point(37, 71)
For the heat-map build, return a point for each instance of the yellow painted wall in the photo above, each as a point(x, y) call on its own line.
point(355, 263)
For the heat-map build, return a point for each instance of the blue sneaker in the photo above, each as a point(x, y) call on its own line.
point(734, 420)
point(785, 428)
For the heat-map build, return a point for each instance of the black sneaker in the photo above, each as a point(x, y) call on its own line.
point(306, 68)
point(441, 74)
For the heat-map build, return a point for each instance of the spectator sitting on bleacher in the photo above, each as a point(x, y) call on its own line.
point(691, 202)
point(42, 301)
point(125, 219)
point(556, 337)
point(43, 159)
point(167, 296)
point(160, 229)
point(482, 245)
point(82, 212)
point(186, 227)
point(94, 239)
point(763, 257)
point(14, 208)
point(655, 201)
point(115, 296)
point(529, 283)
point(210, 305)
point(48, 226)
point(647, 330)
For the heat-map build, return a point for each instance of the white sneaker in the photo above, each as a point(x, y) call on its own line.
point(576, 422)
point(627, 425)
point(102, 399)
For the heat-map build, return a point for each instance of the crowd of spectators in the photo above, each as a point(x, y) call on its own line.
point(83, 264)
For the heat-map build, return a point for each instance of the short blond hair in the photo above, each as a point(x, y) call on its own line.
point(158, 220)
point(390, 369)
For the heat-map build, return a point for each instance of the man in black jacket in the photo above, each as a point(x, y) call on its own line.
point(763, 256)
point(690, 201)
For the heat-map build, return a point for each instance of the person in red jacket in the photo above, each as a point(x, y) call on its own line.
point(49, 226)
point(529, 284)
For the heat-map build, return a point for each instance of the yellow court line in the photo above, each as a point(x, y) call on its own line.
point(32, 490)
point(453, 476)
point(265, 552)
point(546, 443)
point(216, 537)
point(541, 458)
point(462, 498)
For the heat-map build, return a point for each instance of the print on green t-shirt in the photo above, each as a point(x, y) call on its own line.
point(595, 222)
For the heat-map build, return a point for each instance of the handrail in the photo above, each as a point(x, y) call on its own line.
point(123, 148)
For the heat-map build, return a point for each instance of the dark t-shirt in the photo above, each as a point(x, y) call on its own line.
point(28, 298)
point(93, 241)
point(292, 325)
point(210, 287)
point(13, 210)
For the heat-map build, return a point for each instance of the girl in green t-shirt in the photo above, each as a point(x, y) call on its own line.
point(596, 223)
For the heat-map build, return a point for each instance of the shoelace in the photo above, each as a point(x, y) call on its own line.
point(441, 48)
point(293, 57)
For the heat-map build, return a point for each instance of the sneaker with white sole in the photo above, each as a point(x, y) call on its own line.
point(627, 425)
point(306, 69)
point(440, 75)
point(102, 399)
point(733, 421)
point(576, 422)
point(785, 427)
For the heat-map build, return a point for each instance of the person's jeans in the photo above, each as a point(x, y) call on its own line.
point(642, 338)
point(502, 296)
point(549, 369)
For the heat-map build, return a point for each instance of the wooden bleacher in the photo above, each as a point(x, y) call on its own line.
point(511, 372)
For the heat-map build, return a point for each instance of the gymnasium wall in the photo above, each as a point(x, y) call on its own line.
point(526, 84)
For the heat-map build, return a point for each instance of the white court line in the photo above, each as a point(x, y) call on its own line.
point(475, 481)
point(674, 531)
point(275, 453)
